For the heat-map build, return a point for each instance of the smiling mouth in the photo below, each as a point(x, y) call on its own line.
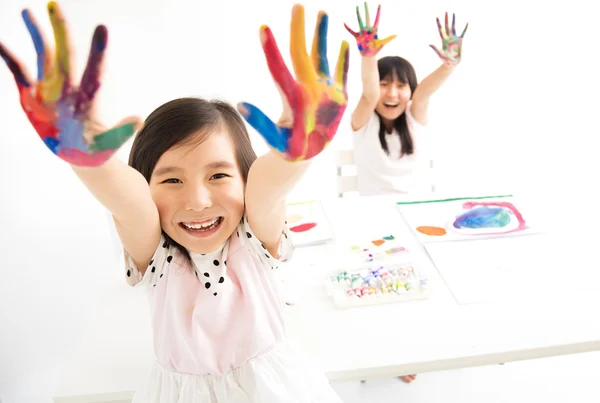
point(201, 226)
point(390, 105)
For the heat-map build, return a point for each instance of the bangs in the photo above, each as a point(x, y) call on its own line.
point(394, 74)
point(395, 67)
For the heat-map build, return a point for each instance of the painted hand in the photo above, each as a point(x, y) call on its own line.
point(366, 39)
point(451, 44)
point(59, 112)
point(314, 104)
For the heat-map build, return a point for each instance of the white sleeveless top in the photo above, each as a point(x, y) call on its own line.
point(380, 173)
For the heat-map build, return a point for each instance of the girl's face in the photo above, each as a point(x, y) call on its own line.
point(199, 192)
point(394, 96)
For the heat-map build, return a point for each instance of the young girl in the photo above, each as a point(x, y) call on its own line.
point(391, 115)
point(201, 219)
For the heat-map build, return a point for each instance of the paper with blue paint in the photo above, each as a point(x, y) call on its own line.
point(471, 218)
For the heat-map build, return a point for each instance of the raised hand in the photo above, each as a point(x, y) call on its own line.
point(60, 112)
point(366, 38)
point(314, 104)
point(451, 44)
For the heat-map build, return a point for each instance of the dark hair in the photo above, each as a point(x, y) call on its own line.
point(399, 67)
point(186, 121)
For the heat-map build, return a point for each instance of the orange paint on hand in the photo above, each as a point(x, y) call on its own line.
point(432, 231)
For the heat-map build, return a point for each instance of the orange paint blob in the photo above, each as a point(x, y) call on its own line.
point(378, 242)
point(432, 231)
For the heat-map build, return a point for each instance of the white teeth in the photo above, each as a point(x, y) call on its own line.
point(206, 225)
point(388, 104)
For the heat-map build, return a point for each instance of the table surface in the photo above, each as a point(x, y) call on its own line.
point(115, 352)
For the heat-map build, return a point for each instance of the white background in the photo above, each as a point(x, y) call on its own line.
point(519, 114)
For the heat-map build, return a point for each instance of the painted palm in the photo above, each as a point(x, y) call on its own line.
point(451, 51)
point(60, 112)
point(313, 103)
point(367, 39)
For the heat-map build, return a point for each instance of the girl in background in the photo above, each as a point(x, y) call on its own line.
point(389, 121)
point(391, 116)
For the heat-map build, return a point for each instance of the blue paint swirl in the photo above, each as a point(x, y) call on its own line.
point(483, 217)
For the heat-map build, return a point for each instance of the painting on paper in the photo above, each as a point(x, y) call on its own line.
point(467, 218)
point(308, 223)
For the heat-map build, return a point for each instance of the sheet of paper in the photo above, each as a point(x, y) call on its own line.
point(308, 223)
point(461, 219)
point(540, 265)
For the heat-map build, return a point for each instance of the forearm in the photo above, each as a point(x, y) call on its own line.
point(370, 78)
point(272, 178)
point(119, 188)
point(434, 81)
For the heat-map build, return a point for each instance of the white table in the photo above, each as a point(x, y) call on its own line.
point(115, 353)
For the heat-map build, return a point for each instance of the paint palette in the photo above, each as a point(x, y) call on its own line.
point(377, 284)
point(308, 223)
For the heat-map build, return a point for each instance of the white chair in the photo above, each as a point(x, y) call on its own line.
point(347, 179)
point(346, 183)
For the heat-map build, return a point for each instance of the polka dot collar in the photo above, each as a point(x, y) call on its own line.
point(211, 268)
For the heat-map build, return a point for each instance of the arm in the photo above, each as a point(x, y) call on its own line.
point(117, 186)
point(270, 180)
point(450, 54)
point(370, 93)
point(369, 46)
point(427, 87)
point(313, 107)
point(125, 193)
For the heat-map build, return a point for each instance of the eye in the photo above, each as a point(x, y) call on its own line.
point(171, 180)
point(219, 176)
point(383, 83)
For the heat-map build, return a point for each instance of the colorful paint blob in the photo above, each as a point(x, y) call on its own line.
point(483, 217)
point(488, 218)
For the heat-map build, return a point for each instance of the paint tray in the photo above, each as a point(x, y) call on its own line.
point(375, 283)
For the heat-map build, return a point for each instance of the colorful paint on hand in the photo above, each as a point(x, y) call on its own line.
point(451, 43)
point(316, 101)
point(59, 111)
point(366, 38)
point(483, 218)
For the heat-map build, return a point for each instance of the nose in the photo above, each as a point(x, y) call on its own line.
point(393, 91)
point(198, 198)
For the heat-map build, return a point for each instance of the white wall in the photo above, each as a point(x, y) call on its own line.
point(519, 111)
